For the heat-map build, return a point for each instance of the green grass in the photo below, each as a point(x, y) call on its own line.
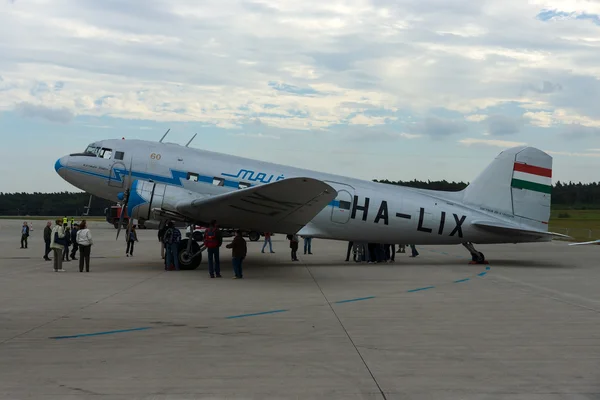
point(579, 223)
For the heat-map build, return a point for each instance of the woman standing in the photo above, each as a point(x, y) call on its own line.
point(84, 240)
point(131, 239)
point(268, 241)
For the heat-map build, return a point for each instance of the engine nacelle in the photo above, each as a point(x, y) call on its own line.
point(147, 197)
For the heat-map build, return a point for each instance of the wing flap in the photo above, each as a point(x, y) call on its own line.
point(281, 207)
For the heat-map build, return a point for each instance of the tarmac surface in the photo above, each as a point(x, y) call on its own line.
point(432, 327)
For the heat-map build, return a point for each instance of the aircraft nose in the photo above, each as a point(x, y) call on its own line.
point(60, 164)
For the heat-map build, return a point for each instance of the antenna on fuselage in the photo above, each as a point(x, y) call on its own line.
point(164, 136)
point(193, 137)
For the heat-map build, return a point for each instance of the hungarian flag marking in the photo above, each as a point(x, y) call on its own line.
point(530, 177)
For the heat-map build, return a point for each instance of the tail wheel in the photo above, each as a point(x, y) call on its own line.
point(479, 257)
point(186, 261)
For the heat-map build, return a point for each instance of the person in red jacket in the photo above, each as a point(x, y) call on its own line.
point(213, 240)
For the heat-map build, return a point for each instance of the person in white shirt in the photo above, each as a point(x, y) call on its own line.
point(57, 244)
point(84, 240)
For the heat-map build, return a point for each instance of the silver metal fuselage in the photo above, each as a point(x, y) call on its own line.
point(363, 210)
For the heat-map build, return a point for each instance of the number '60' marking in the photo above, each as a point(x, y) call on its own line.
point(155, 156)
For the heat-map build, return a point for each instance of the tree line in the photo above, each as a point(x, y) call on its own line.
point(51, 204)
point(564, 195)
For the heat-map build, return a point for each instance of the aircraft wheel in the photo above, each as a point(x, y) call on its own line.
point(186, 262)
point(116, 225)
point(478, 258)
point(254, 236)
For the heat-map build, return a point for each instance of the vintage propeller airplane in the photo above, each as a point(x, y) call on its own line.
point(509, 202)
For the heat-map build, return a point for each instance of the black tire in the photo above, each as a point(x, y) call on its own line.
point(185, 263)
point(116, 225)
point(479, 258)
point(253, 236)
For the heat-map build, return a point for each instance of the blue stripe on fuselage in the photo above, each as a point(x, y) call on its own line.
point(175, 178)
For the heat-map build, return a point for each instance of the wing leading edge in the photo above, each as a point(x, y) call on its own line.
point(281, 207)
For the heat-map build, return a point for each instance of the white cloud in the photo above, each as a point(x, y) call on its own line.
point(476, 117)
point(560, 116)
point(490, 142)
point(571, 154)
point(362, 119)
point(410, 136)
point(257, 136)
point(183, 60)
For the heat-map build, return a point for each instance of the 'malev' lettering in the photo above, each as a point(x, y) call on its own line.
point(356, 207)
point(382, 213)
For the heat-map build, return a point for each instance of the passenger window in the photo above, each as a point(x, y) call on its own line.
point(119, 155)
point(192, 177)
point(344, 205)
point(243, 185)
point(105, 153)
point(218, 181)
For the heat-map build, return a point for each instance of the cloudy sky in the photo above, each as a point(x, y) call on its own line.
point(397, 89)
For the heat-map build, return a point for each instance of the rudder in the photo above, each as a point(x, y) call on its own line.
point(517, 183)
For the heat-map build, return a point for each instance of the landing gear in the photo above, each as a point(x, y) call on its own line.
point(190, 254)
point(477, 257)
point(253, 236)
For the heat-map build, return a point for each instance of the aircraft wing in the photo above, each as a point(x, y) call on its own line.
point(502, 227)
point(584, 243)
point(283, 207)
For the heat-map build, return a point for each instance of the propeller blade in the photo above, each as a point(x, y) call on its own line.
point(126, 198)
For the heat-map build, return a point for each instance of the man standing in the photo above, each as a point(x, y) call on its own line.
point(47, 239)
point(238, 253)
point(213, 240)
point(172, 237)
point(307, 245)
point(57, 243)
point(74, 231)
point(161, 239)
point(24, 235)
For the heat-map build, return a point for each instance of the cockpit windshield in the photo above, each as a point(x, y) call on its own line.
point(91, 149)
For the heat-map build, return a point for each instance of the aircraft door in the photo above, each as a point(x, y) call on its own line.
point(117, 176)
point(342, 205)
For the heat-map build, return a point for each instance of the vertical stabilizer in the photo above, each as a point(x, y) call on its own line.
point(518, 182)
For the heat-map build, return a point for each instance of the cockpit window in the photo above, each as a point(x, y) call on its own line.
point(91, 149)
point(119, 155)
point(105, 153)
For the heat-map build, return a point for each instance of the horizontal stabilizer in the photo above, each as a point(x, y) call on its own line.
point(280, 207)
point(507, 228)
point(584, 243)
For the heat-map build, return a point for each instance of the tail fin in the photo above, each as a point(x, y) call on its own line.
point(517, 183)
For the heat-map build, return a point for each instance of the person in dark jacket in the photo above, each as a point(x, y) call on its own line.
point(74, 231)
point(47, 240)
point(67, 243)
point(131, 239)
point(24, 235)
point(161, 237)
point(238, 253)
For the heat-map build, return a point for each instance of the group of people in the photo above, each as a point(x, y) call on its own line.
point(170, 237)
point(376, 252)
point(60, 237)
point(294, 244)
